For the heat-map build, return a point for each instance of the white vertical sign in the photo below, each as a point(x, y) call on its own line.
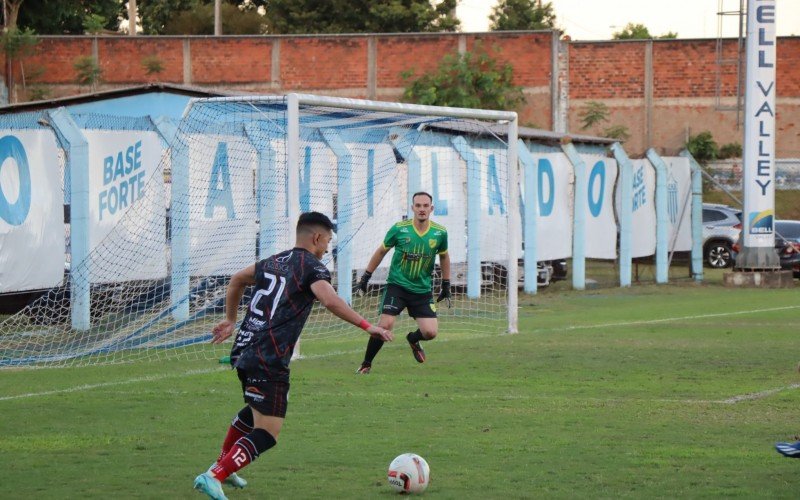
point(759, 130)
point(222, 218)
point(601, 224)
point(556, 189)
point(122, 172)
point(31, 211)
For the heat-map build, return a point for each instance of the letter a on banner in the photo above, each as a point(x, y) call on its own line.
point(219, 188)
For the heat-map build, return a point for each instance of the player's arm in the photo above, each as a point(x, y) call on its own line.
point(373, 264)
point(376, 258)
point(239, 281)
point(326, 294)
point(444, 263)
point(444, 293)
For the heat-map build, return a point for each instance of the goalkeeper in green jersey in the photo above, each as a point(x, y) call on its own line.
point(416, 243)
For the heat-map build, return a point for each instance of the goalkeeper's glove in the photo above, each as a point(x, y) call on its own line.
point(444, 293)
point(362, 284)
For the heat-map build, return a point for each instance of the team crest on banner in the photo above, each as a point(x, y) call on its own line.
point(672, 199)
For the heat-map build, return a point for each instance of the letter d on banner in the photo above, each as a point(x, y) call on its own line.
point(15, 212)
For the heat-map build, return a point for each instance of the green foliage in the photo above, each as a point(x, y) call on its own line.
point(510, 15)
point(730, 150)
point(39, 92)
point(56, 17)
point(636, 31)
point(632, 31)
point(360, 16)
point(469, 80)
point(200, 21)
point(155, 14)
point(94, 23)
point(618, 132)
point(596, 112)
point(18, 42)
point(87, 71)
point(152, 65)
point(593, 112)
point(703, 147)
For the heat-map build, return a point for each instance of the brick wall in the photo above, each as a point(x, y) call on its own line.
point(661, 90)
point(613, 70)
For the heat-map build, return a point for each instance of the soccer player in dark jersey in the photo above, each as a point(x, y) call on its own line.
point(416, 244)
point(286, 286)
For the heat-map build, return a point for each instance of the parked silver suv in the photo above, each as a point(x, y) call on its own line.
point(721, 227)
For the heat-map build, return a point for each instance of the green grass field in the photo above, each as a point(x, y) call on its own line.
point(668, 391)
point(787, 201)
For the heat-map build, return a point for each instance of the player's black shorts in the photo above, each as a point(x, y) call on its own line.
point(419, 305)
point(269, 397)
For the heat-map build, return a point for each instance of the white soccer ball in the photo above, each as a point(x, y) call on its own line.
point(409, 473)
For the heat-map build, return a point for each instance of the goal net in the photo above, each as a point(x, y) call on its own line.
point(228, 192)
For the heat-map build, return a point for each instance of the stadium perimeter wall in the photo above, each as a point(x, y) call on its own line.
point(661, 90)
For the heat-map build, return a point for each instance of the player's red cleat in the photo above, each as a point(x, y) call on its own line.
point(364, 369)
point(417, 351)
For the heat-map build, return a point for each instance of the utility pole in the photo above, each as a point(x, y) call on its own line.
point(217, 17)
point(132, 15)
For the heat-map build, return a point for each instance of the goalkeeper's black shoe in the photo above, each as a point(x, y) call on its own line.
point(416, 350)
point(364, 369)
point(791, 450)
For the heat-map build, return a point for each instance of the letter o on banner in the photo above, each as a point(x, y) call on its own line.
point(596, 206)
point(15, 213)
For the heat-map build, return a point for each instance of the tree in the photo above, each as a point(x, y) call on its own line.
point(11, 13)
point(469, 80)
point(87, 71)
point(703, 147)
point(56, 17)
point(635, 31)
point(594, 112)
point(16, 44)
point(359, 16)
point(155, 14)
point(200, 21)
point(510, 15)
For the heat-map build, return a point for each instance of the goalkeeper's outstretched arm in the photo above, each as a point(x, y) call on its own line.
point(376, 258)
point(373, 264)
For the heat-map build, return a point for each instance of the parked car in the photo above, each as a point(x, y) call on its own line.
point(787, 244)
point(721, 227)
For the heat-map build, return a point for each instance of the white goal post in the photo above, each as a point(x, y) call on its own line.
point(228, 191)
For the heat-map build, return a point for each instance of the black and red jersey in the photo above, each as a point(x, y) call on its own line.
point(282, 300)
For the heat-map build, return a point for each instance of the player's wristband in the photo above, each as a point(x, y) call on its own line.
point(364, 325)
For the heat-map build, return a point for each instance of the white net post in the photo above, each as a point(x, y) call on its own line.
point(235, 179)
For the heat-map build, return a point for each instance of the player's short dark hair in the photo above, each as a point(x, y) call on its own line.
point(308, 221)
point(422, 193)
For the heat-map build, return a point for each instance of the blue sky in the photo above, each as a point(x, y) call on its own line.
point(599, 19)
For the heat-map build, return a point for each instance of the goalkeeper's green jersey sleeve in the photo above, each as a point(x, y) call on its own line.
point(414, 254)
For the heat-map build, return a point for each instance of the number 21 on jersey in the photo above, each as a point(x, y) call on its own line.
point(272, 295)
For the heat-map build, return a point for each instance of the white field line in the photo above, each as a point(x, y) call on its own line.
point(681, 318)
point(731, 400)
